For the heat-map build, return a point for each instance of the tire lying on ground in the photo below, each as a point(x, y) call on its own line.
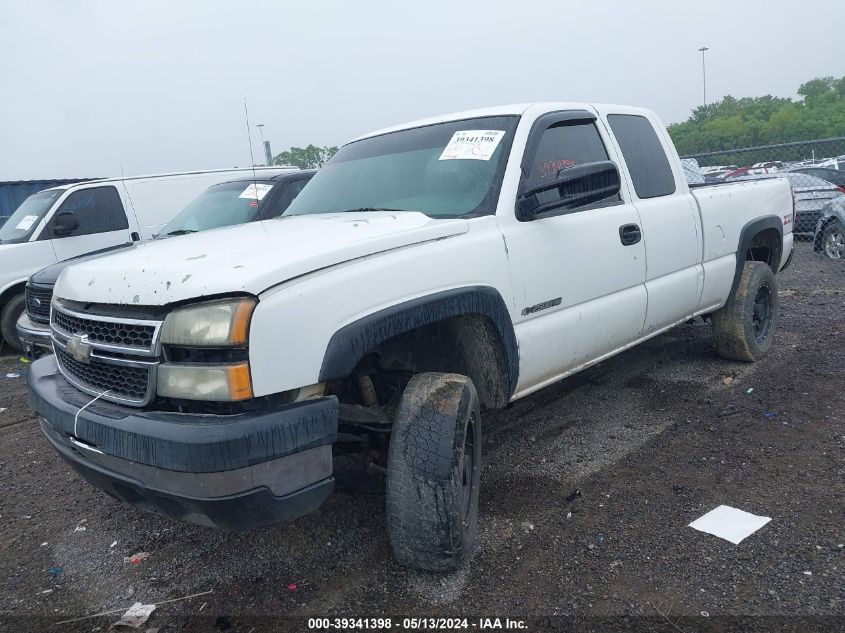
point(433, 470)
point(744, 328)
point(8, 320)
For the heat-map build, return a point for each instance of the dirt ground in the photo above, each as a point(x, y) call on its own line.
point(652, 439)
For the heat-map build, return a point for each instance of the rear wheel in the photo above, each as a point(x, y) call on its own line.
point(833, 241)
point(433, 472)
point(744, 329)
point(9, 318)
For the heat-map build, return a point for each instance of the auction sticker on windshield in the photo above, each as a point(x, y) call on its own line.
point(26, 222)
point(472, 144)
point(256, 191)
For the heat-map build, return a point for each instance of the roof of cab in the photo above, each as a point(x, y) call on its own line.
point(503, 110)
point(515, 109)
point(263, 171)
point(274, 178)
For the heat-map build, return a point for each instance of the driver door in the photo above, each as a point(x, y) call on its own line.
point(578, 275)
point(100, 222)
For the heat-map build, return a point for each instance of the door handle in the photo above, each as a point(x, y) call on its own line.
point(630, 234)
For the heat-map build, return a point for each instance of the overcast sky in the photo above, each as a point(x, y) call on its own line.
point(159, 86)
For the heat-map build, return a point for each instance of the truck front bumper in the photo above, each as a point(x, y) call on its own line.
point(231, 472)
point(35, 337)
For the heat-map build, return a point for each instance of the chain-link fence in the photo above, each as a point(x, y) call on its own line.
point(816, 171)
point(815, 280)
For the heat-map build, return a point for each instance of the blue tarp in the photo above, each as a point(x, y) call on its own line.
point(12, 193)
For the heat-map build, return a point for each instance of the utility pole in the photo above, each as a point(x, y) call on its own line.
point(260, 127)
point(702, 50)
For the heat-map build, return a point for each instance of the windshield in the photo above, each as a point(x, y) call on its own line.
point(25, 219)
point(225, 204)
point(446, 170)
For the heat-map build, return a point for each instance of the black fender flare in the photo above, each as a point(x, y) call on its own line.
point(746, 236)
point(350, 343)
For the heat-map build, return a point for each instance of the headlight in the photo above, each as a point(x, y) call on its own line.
point(216, 323)
point(221, 383)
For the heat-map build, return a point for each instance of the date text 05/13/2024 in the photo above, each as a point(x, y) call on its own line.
point(416, 624)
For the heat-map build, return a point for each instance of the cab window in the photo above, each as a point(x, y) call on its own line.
point(286, 197)
point(97, 210)
point(563, 146)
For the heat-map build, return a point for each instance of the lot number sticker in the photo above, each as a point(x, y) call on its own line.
point(256, 191)
point(472, 145)
point(26, 222)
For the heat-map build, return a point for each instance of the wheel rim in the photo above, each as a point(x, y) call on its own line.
point(762, 312)
point(469, 467)
point(834, 245)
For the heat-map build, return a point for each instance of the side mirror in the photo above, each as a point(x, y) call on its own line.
point(573, 188)
point(64, 223)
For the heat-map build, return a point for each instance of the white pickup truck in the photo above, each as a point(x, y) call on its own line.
point(429, 271)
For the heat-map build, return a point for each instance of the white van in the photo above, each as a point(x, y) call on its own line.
point(72, 220)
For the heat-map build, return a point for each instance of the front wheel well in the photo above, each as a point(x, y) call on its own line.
point(467, 344)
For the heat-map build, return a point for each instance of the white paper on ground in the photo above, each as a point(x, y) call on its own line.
point(136, 616)
point(472, 145)
point(729, 523)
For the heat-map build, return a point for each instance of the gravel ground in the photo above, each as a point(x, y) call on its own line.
point(652, 439)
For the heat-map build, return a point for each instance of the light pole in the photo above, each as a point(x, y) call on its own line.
point(260, 127)
point(702, 50)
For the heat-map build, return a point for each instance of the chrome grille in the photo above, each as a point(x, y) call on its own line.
point(128, 384)
point(111, 331)
point(38, 302)
point(112, 357)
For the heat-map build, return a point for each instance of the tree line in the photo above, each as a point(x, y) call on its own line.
point(311, 157)
point(750, 121)
point(729, 123)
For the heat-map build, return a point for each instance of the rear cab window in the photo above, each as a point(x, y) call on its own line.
point(644, 155)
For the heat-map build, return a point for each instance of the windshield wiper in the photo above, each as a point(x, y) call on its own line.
point(362, 209)
point(181, 232)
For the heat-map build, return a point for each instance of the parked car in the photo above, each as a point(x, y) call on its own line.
point(427, 270)
point(829, 237)
point(224, 204)
point(71, 220)
point(833, 176)
point(811, 195)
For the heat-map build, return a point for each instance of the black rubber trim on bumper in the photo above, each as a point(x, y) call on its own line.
point(180, 442)
point(245, 510)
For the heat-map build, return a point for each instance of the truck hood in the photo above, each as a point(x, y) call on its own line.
point(249, 258)
point(48, 276)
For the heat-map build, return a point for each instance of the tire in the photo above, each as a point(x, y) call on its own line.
point(833, 241)
point(8, 319)
point(433, 472)
point(744, 329)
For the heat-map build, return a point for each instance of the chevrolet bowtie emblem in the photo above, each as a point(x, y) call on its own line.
point(79, 348)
